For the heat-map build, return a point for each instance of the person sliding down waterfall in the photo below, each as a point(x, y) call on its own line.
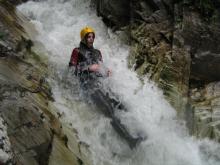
point(89, 69)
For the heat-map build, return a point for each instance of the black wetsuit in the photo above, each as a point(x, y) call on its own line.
point(92, 88)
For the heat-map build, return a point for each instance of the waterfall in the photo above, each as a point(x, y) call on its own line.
point(58, 23)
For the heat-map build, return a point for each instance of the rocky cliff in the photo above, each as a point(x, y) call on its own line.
point(175, 43)
point(30, 130)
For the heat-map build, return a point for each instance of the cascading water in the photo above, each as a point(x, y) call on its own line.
point(59, 23)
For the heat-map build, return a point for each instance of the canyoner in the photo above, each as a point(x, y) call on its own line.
point(86, 63)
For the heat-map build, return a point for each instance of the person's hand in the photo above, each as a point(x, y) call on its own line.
point(94, 67)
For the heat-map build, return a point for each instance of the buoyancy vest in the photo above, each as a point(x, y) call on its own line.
point(87, 56)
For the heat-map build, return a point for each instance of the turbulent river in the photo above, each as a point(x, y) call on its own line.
point(58, 23)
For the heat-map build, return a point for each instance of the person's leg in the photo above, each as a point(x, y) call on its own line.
point(108, 105)
point(102, 102)
point(117, 104)
point(114, 101)
point(123, 132)
point(106, 102)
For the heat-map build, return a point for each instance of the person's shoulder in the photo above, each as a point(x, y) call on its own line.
point(76, 49)
point(98, 51)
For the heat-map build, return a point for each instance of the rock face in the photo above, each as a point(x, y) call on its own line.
point(33, 129)
point(113, 12)
point(24, 93)
point(174, 43)
point(22, 109)
point(202, 38)
point(5, 146)
point(206, 103)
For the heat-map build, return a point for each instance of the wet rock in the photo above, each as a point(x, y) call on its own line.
point(24, 94)
point(80, 149)
point(30, 136)
point(156, 54)
point(207, 111)
point(175, 43)
point(62, 155)
point(203, 39)
point(114, 13)
point(4, 49)
point(33, 127)
point(6, 155)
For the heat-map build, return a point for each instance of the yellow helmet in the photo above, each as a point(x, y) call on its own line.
point(85, 31)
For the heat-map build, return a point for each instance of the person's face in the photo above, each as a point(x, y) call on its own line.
point(90, 39)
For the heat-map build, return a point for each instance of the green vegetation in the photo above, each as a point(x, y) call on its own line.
point(216, 17)
point(206, 7)
point(3, 35)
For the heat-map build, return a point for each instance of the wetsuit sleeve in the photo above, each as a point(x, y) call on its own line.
point(74, 57)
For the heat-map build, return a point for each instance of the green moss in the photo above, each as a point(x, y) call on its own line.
point(7, 5)
point(167, 75)
point(37, 59)
point(143, 69)
point(206, 4)
point(2, 35)
point(206, 7)
point(216, 17)
point(35, 56)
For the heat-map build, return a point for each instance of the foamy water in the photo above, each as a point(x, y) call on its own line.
point(59, 23)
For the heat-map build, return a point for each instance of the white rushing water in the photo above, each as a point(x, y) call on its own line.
point(59, 23)
point(5, 150)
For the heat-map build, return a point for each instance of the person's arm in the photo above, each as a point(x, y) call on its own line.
point(100, 67)
point(74, 57)
point(96, 67)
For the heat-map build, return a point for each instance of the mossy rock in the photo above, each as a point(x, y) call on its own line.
point(2, 35)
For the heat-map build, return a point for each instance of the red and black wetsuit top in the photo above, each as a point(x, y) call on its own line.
point(83, 57)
